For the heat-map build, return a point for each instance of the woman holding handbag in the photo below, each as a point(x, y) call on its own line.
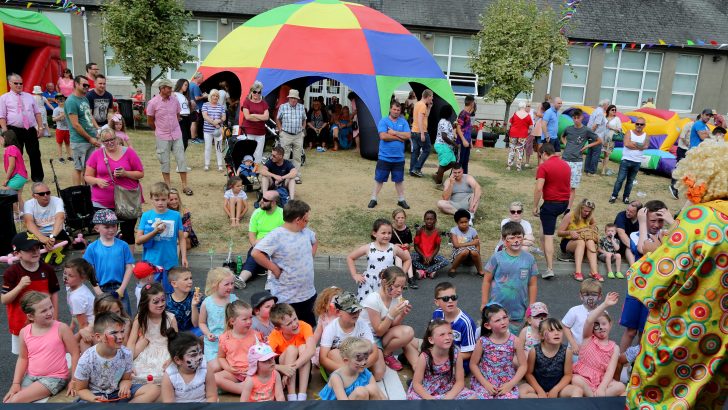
point(114, 172)
point(614, 133)
point(213, 112)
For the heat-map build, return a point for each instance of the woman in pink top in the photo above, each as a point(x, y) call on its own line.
point(521, 124)
point(65, 83)
point(16, 175)
point(125, 167)
point(41, 370)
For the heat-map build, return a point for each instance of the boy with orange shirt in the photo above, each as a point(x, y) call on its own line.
point(294, 343)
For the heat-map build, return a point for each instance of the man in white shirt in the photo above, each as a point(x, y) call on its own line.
point(44, 216)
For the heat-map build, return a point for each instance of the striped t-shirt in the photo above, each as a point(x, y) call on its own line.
point(215, 113)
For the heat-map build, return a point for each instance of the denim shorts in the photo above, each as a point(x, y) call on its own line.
point(634, 314)
point(53, 384)
point(550, 211)
point(384, 168)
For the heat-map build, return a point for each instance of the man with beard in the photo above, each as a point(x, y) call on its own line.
point(263, 220)
point(626, 222)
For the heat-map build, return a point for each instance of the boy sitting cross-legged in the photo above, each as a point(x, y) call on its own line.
point(293, 341)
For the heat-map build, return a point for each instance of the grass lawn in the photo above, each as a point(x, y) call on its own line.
point(338, 186)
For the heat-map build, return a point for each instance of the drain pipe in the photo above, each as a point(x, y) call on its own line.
point(85, 34)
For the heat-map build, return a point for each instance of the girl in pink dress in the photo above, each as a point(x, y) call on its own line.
point(598, 355)
point(439, 373)
point(494, 376)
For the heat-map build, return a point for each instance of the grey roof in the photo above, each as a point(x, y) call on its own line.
point(640, 21)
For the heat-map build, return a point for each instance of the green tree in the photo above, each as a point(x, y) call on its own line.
point(518, 43)
point(146, 36)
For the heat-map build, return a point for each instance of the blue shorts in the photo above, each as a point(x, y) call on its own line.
point(384, 168)
point(114, 396)
point(550, 211)
point(634, 314)
point(555, 142)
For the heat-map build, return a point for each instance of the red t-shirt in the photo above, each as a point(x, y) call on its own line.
point(428, 242)
point(557, 179)
point(519, 126)
point(254, 127)
point(43, 280)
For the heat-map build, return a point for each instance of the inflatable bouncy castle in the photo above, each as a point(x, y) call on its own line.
point(32, 46)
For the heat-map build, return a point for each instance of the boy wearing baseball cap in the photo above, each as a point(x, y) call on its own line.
point(29, 273)
point(111, 257)
point(347, 324)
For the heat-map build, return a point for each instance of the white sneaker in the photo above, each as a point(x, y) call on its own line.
point(547, 274)
point(219, 168)
point(207, 168)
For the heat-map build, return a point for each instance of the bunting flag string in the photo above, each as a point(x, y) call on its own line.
point(61, 5)
point(612, 46)
point(568, 9)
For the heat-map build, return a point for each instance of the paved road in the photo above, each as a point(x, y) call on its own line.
point(559, 294)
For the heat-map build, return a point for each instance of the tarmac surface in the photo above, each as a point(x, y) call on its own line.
point(560, 294)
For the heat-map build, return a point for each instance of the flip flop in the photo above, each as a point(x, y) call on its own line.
point(188, 191)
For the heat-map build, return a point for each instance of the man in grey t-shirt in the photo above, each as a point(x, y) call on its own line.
point(598, 124)
point(574, 138)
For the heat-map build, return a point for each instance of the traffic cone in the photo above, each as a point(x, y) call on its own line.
point(479, 138)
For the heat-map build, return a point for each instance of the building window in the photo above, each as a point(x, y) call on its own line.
point(112, 70)
point(206, 30)
point(63, 22)
point(573, 85)
point(629, 78)
point(685, 82)
point(451, 53)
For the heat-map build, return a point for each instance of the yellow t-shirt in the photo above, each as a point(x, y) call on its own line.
point(420, 109)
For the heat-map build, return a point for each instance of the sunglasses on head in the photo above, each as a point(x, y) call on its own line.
point(448, 298)
point(44, 193)
point(516, 211)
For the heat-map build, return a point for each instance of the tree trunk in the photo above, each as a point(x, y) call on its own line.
point(506, 117)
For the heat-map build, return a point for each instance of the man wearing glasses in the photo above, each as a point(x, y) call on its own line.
point(19, 113)
point(635, 143)
point(44, 216)
point(83, 126)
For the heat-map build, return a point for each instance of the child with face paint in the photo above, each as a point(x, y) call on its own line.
point(510, 278)
point(149, 331)
point(549, 365)
point(492, 362)
point(594, 371)
point(186, 379)
point(233, 347)
point(41, 369)
point(103, 374)
point(530, 336)
point(105, 302)
point(439, 373)
point(590, 292)
point(353, 381)
point(263, 383)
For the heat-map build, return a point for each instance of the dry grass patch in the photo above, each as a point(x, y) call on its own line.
point(338, 186)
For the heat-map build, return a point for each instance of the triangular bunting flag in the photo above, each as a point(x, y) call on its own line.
point(662, 43)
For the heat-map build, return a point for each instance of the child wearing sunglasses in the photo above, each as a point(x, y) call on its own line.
point(463, 326)
point(515, 214)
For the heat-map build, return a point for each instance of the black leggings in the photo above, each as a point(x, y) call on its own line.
point(304, 310)
point(184, 124)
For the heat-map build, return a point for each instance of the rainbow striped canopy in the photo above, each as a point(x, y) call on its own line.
point(360, 47)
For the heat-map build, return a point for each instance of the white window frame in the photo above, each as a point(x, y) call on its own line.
point(575, 85)
point(463, 79)
point(108, 62)
point(697, 78)
point(198, 43)
point(67, 35)
point(644, 71)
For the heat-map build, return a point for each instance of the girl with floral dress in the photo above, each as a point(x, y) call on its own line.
point(380, 255)
point(439, 373)
point(148, 338)
point(494, 375)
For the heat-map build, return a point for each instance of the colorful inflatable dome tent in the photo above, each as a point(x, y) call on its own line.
point(298, 44)
point(32, 47)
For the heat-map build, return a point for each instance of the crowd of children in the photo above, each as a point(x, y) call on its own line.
point(183, 346)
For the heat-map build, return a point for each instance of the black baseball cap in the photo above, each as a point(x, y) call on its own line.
point(25, 241)
point(708, 111)
point(259, 298)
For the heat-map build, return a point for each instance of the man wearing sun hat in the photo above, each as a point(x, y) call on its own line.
point(291, 121)
point(163, 115)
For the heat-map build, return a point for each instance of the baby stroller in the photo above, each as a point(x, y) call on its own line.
point(78, 206)
point(237, 148)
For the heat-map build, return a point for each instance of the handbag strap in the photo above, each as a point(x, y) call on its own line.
point(108, 167)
